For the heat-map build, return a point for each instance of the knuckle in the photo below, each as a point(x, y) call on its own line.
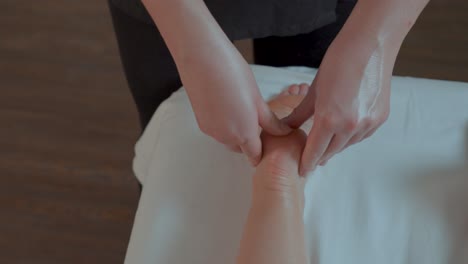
point(350, 124)
point(367, 123)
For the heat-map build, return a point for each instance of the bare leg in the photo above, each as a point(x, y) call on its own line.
point(274, 231)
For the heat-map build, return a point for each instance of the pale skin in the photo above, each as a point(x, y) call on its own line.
point(349, 99)
point(274, 230)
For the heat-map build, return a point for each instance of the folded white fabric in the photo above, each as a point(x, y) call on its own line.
point(399, 197)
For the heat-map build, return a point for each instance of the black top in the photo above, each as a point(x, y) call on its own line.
point(256, 18)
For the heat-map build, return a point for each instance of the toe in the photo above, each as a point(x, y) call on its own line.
point(303, 88)
point(294, 89)
point(285, 92)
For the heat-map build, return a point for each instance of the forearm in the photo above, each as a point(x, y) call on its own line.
point(189, 30)
point(388, 20)
point(379, 26)
point(274, 231)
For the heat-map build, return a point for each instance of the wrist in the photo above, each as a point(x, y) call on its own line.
point(357, 43)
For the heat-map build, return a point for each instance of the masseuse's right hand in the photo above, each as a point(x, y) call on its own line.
point(227, 103)
point(220, 84)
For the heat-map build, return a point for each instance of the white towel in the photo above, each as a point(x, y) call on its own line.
point(399, 197)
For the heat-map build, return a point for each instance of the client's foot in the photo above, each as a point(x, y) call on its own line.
point(281, 156)
point(296, 89)
point(283, 152)
point(279, 167)
point(278, 170)
point(283, 104)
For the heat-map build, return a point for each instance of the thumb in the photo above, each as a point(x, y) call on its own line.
point(270, 122)
point(303, 111)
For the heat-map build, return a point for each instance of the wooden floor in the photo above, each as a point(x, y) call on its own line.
point(67, 194)
point(68, 125)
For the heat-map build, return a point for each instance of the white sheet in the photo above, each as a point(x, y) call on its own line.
point(399, 197)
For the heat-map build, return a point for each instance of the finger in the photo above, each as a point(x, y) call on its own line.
point(252, 148)
point(323, 163)
point(317, 144)
point(369, 134)
point(234, 148)
point(337, 143)
point(294, 89)
point(359, 137)
point(303, 88)
point(355, 139)
point(303, 111)
point(270, 122)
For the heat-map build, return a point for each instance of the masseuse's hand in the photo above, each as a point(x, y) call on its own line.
point(349, 100)
point(350, 95)
point(221, 87)
point(227, 102)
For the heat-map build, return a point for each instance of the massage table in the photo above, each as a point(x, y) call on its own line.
point(398, 197)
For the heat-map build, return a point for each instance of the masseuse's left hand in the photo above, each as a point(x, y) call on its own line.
point(349, 100)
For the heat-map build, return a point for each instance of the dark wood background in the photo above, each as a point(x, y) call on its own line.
point(68, 124)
